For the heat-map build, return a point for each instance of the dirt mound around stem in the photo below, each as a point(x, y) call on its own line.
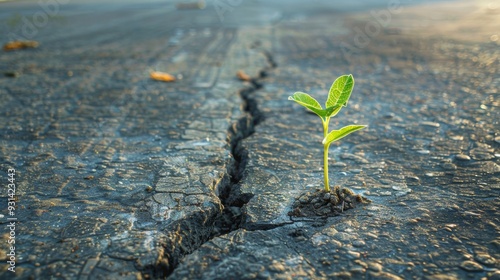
point(322, 203)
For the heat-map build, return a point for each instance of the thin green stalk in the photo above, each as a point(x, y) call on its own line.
point(325, 155)
point(325, 170)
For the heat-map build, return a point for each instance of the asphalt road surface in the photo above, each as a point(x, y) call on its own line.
point(110, 174)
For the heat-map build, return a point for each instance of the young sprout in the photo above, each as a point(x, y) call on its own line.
point(337, 98)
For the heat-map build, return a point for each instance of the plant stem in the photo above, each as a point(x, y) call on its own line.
point(325, 155)
point(325, 168)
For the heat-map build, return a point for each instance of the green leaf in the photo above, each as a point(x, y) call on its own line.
point(309, 102)
point(340, 91)
point(335, 135)
point(330, 111)
point(335, 111)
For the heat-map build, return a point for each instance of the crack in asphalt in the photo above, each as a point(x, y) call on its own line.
point(231, 217)
point(232, 199)
point(265, 227)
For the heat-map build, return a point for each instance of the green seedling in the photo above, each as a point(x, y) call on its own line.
point(337, 98)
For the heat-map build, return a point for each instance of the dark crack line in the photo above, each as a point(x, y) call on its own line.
point(230, 218)
point(264, 227)
point(231, 197)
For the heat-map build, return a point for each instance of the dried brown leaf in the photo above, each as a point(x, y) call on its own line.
point(162, 76)
point(15, 45)
point(243, 76)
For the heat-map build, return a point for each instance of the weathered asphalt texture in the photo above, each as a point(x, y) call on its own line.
point(122, 177)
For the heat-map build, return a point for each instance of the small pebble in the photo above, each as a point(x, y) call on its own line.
point(398, 188)
point(357, 269)
point(373, 266)
point(341, 275)
point(433, 124)
point(327, 196)
point(277, 267)
point(485, 259)
point(353, 254)
point(413, 178)
point(336, 243)
point(361, 263)
point(440, 277)
point(471, 266)
point(385, 181)
point(462, 157)
point(358, 243)
point(384, 275)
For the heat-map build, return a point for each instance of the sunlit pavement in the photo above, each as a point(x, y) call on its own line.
point(118, 176)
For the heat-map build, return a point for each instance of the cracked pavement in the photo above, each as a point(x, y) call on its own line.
point(123, 177)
